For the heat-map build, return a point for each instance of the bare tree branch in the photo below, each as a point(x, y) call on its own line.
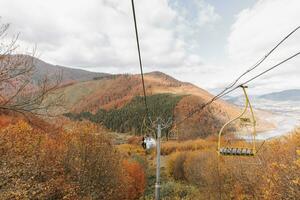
point(18, 91)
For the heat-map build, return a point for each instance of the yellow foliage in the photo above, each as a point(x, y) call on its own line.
point(276, 177)
point(175, 166)
point(129, 149)
point(189, 145)
point(79, 163)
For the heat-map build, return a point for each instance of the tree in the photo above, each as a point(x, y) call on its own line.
point(92, 162)
point(18, 92)
point(134, 176)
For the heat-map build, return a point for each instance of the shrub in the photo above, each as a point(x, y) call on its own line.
point(94, 164)
point(175, 165)
point(134, 140)
point(128, 149)
point(200, 168)
point(77, 164)
point(174, 190)
point(273, 174)
point(189, 145)
point(31, 165)
point(134, 178)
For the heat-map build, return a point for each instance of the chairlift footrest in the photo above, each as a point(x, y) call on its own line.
point(230, 151)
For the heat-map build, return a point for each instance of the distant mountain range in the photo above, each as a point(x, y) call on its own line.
point(69, 74)
point(286, 95)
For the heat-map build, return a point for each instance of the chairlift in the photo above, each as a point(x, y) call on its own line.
point(173, 134)
point(244, 122)
point(149, 134)
point(148, 143)
point(148, 140)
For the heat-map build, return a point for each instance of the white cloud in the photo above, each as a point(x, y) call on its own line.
point(197, 13)
point(207, 14)
point(256, 31)
point(99, 34)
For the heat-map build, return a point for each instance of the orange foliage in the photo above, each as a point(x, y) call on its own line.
point(189, 145)
point(28, 168)
point(273, 174)
point(136, 140)
point(5, 121)
point(134, 178)
point(80, 163)
point(8, 117)
point(124, 88)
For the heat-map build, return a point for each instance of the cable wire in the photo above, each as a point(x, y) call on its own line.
point(140, 58)
point(201, 108)
point(258, 63)
point(262, 73)
point(224, 92)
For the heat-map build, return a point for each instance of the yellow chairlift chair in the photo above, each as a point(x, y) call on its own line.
point(245, 121)
point(173, 134)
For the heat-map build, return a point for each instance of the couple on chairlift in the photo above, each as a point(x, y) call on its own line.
point(148, 142)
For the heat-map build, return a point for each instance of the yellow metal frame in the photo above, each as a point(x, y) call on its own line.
point(145, 128)
point(247, 105)
point(174, 130)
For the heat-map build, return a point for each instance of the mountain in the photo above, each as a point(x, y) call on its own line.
point(42, 69)
point(286, 95)
point(284, 107)
point(116, 101)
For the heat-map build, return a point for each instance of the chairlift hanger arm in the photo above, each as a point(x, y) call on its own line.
point(253, 121)
point(234, 119)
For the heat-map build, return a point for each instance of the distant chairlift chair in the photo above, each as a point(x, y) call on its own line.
point(240, 151)
point(173, 134)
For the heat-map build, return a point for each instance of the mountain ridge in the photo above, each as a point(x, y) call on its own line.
point(42, 69)
point(91, 92)
point(115, 92)
point(284, 95)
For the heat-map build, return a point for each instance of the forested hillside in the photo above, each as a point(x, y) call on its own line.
point(104, 97)
point(132, 116)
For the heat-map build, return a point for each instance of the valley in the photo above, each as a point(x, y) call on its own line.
point(284, 114)
point(149, 100)
point(89, 145)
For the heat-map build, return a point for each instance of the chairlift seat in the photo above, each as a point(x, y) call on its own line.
point(232, 151)
point(173, 138)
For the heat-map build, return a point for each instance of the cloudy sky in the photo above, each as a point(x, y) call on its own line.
point(206, 42)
